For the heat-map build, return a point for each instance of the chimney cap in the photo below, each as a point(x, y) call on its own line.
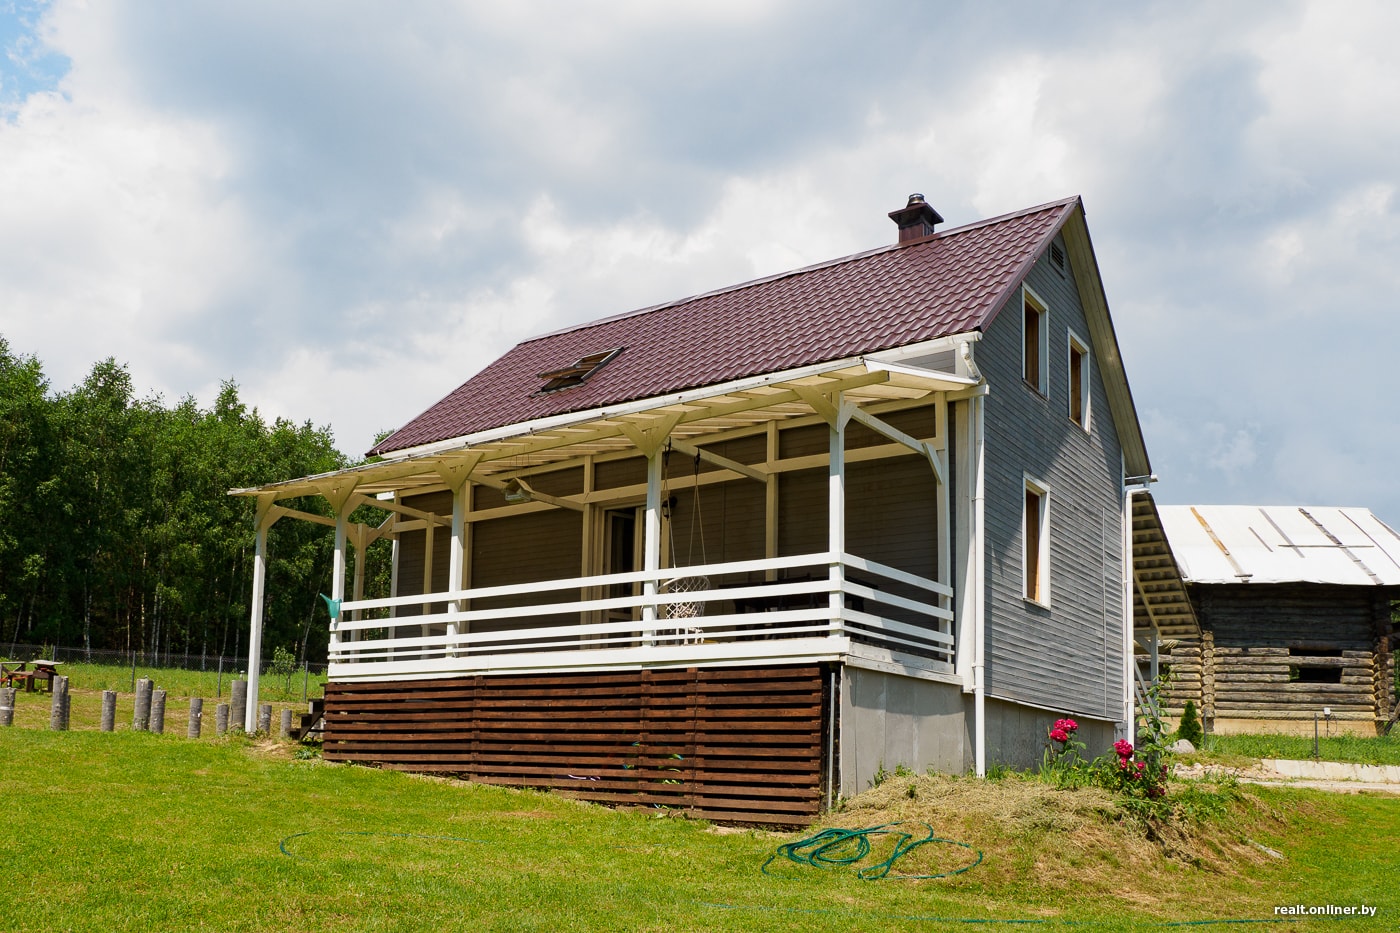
point(916, 219)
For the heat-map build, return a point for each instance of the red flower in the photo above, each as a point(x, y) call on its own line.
point(1059, 735)
point(1124, 748)
point(1067, 725)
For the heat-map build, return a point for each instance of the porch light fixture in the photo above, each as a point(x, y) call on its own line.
point(516, 492)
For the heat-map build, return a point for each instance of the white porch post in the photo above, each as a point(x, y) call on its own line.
point(652, 557)
point(456, 558)
point(256, 626)
point(836, 515)
point(338, 575)
point(265, 517)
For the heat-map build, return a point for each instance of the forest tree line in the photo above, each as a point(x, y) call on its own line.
point(117, 531)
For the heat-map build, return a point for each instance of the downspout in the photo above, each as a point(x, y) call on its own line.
point(976, 545)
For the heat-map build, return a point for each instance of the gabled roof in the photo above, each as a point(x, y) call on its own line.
point(951, 283)
point(1282, 544)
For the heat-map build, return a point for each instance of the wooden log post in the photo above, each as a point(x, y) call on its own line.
point(196, 713)
point(158, 712)
point(238, 697)
point(7, 706)
point(109, 710)
point(60, 690)
point(286, 723)
point(264, 718)
point(141, 715)
point(221, 719)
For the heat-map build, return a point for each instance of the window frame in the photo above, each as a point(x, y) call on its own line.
point(1035, 588)
point(1031, 301)
point(1083, 414)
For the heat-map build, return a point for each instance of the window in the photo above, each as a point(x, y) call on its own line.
point(1033, 341)
point(1078, 381)
point(1035, 558)
point(578, 371)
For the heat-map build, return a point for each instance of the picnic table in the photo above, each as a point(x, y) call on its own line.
point(14, 673)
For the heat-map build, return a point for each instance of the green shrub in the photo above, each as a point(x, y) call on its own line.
point(1190, 726)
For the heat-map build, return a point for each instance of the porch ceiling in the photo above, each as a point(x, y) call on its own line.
point(688, 417)
point(1159, 593)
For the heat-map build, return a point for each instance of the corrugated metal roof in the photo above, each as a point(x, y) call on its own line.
point(950, 283)
point(1282, 544)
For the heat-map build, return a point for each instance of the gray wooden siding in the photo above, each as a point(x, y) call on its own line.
point(1069, 655)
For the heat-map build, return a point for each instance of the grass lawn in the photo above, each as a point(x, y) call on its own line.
point(133, 831)
point(1367, 750)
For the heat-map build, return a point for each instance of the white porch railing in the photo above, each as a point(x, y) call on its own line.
point(817, 608)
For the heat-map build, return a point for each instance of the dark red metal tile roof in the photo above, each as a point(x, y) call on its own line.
point(951, 283)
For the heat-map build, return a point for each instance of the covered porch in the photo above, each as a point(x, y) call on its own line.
point(792, 518)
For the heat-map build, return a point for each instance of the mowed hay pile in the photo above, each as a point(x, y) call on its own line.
point(1078, 839)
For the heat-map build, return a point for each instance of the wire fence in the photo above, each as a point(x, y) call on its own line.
point(181, 674)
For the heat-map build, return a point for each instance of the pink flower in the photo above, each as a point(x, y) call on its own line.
point(1067, 725)
point(1141, 766)
point(1124, 748)
point(1059, 735)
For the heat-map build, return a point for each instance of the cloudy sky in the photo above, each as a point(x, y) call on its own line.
point(350, 207)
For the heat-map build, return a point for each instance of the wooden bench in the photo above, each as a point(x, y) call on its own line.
point(13, 673)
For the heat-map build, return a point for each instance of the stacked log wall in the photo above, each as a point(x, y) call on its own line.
point(1259, 640)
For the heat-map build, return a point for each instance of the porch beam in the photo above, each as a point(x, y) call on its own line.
point(899, 437)
point(495, 482)
point(770, 500)
point(743, 469)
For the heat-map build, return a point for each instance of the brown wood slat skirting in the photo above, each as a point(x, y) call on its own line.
point(728, 743)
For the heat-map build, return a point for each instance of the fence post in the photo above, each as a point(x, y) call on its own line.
point(238, 705)
point(141, 715)
point(286, 723)
point(109, 710)
point(221, 718)
point(158, 712)
point(196, 713)
point(265, 718)
point(7, 706)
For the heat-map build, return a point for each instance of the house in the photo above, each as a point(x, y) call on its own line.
point(1294, 605)
point(736, 553)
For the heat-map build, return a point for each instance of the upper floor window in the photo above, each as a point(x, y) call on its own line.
point(1035, 528)
point(1033, 341)
point(1079, 380)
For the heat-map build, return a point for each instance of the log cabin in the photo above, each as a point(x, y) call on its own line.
point(737, 553)
point(1295, 612)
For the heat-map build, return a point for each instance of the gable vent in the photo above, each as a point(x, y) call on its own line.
point(1057, 256)
point(578, 372)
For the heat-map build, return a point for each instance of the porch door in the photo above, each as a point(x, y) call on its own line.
point(622, 553)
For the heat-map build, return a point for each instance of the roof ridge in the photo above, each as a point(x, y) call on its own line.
point(802, 270)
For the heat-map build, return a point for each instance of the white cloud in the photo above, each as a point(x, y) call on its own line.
point(350, 208)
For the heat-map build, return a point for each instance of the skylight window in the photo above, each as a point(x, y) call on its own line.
point(579, 372)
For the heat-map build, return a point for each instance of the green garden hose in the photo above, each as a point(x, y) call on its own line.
point(843, 848)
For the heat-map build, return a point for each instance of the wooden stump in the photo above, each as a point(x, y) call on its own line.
point(58, 718)
point(286, 723)
point(238, 697)
point(265, 718)
point(7, 706)
point(109, 710)
point(158, 712)
point(221, 719)
point(196, 712)
point(141, 715)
